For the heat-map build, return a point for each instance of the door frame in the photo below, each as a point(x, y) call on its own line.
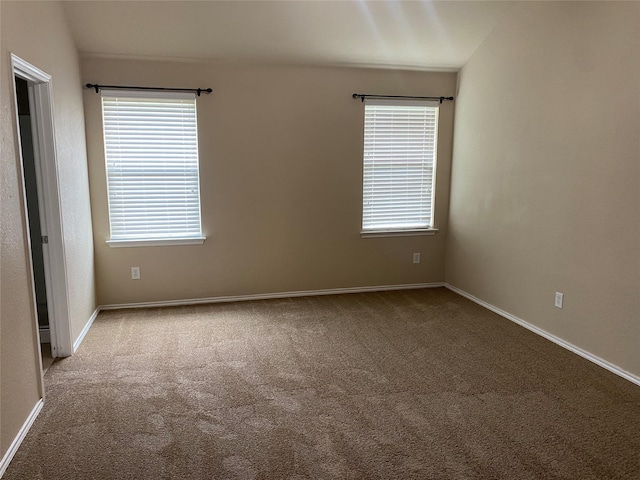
point(41, 110)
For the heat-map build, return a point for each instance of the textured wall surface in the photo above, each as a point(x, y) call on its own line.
point(281, 182)
point(546, 174)
point(37, 32)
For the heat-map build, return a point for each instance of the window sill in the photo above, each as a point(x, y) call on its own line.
point(165, 242)
point(397, 233)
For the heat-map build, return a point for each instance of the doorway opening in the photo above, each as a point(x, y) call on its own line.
point(39, 172)
point(36, 235)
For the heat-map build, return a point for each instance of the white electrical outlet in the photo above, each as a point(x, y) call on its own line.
point(559, 300)
point(135, 273)
point(416, 258)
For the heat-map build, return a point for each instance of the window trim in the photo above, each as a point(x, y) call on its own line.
point(157, 243)
point(430, 229)
point(179, 239)
point(398, 233)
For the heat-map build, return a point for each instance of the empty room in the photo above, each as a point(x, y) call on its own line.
point(320, 240)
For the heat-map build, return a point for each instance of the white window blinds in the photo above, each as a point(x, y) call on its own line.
point(400, 140)
point(151, 151)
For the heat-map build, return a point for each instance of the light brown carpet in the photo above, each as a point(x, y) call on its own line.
point(416, 384)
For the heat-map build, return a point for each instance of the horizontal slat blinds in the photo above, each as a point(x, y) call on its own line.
point(151, 150)
point(399, 164)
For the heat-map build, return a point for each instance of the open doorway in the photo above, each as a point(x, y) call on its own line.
point(32, 180)
point(39, 172)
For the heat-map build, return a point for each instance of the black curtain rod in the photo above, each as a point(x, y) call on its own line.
point(197, 91)
point(362, 96)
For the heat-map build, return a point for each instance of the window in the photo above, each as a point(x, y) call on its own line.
point(151, 152)
point(400, 144)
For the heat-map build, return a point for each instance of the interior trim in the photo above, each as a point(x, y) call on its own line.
point(22, 433)
point(46, 162)
point(268, 296)
point(85, 330)
point(549, 336)
point(45, 334)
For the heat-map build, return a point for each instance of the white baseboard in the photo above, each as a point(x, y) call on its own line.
point(549, 336)
point(85, 330)
point(45, 334)
point(269, 296)
point(13, 448)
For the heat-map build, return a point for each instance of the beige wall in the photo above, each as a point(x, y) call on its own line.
point(37, 32)
point(281, 176)
point(546, 174)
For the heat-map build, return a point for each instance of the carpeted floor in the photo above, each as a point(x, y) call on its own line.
point(418, 384)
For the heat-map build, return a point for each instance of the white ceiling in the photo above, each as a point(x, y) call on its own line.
point(396, 34)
